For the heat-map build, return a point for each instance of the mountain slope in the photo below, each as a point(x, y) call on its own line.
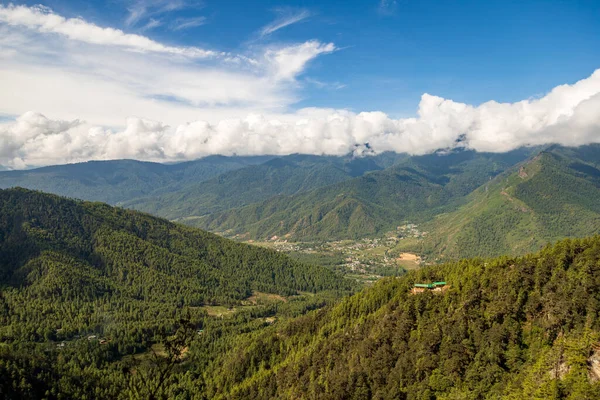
point(552, 196)
point(120, 180)
point(280, 176)
point(506, 328)
point(46, 240)
point(91, 296)
point(416, 188)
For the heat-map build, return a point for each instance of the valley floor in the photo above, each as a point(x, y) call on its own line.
point(365, 260)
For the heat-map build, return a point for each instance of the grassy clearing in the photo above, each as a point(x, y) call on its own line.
point(219, 311)
point(265, 298)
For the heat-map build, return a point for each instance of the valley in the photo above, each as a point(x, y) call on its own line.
point(299, 200)
point(354, 214)
point(299, 278)
point(365, 260)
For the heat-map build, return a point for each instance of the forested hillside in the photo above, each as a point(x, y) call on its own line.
point(286, 175)
point(121, 180)
point(98, 283)
point(100, 302)
point(554, 195)
point(145, 257)
point(416, 189)
point(504, 328)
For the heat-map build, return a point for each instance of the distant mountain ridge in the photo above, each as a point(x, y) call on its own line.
point(121, 180)
point(286, 175)
point(469, 203)
point(553, 195)
point(416, 188)
point(188, 189)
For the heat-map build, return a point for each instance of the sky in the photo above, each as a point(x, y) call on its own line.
point(176, 80)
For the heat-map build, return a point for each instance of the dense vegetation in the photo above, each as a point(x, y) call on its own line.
point(505, 328)
point(416, 188)
point(85, 285)
point(554, 195)
point(99, 302)
point(121, 180)
point(508, 328)
point(280, 176)
point(470, 204)
point(149, 257)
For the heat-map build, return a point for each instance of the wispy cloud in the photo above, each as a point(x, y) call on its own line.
point(139, 10)
point(288, 62)
point(387, 7)
point(325, 85)
point(73, 69)
point(187, 23)
point(44, 20)
point(286, 17)
point(151, 24)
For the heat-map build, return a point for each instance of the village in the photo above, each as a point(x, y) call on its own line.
point(366, 260)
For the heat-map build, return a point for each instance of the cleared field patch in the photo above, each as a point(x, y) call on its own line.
point(158, 350)
point(408, 260)
point(219, 311)
point(265, 298)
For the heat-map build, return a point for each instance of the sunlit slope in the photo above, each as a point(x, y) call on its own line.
point(552, 196)
point(504, 328)
point(416, 189)
point(285, 175)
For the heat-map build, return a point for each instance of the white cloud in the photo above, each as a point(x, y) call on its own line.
point(69, 69)
point(568, 115)
point(287, 17)
point(44, 20)
point(286, 63)
point(139, 10)
point(187, 23)
point(74, 71)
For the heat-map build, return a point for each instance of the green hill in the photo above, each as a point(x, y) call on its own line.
point(416, 188)
point(100, 302)
point(121, 180)
point(88, 291)
point(54, 249)
point(554, 195)
point(191, 189)
point(505, 328)
point(280, 176)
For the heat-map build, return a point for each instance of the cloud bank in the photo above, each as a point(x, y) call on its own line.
point(100, 93)
point(567, 115)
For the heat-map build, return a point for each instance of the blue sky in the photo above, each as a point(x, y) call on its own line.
point(180, 79)
point(391, 52)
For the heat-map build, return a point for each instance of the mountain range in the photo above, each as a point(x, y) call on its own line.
point(101, 302)
point(116, 181)
point(415, 188)
point(552, 195)
point(279, 176)
point(467, 203)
